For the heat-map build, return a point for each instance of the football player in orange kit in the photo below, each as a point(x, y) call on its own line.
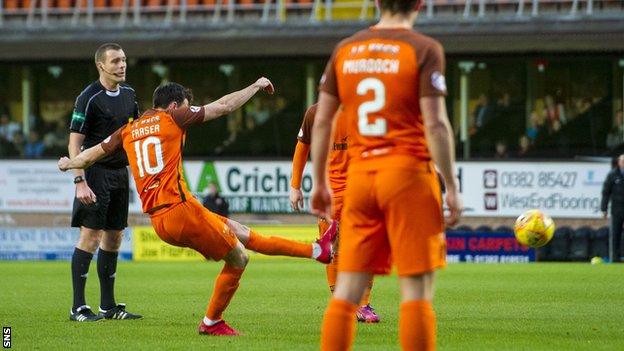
point(154, 145)
point(389, 82)
point(338, 162)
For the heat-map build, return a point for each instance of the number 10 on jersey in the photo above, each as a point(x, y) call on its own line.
point(142, 150)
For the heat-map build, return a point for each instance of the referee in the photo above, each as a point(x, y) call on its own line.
point(102, 191)
point(613, 191)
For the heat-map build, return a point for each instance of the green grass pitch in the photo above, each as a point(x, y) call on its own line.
point(280, 303)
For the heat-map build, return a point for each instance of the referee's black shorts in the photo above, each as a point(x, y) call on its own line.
point(110, 211)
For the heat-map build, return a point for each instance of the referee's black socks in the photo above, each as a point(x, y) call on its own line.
point(106, 267)
point(80, 268)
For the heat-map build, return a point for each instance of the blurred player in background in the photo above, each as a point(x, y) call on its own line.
point(154, 145)
point(389, 81)
point(338, 162)
point(101, 203)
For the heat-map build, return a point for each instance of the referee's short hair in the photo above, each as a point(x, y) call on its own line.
point(170, 92)
point(101, 51)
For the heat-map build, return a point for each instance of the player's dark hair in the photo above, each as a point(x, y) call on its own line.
point(170, 92)
point(398, 6)
point(101, 51)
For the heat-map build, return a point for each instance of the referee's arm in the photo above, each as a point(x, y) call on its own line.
point(84, 194)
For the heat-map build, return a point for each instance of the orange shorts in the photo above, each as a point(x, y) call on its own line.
point(189, 224)
point(392, 215)
point(337, 203)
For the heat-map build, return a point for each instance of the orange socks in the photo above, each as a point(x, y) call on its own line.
point(332, 272)
point(417, 326)
point(276, 246)
point(338, 329)
point(225, 287)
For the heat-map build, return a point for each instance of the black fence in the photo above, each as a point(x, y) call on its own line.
point(567, 244)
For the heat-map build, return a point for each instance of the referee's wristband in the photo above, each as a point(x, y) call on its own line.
point(79, 179)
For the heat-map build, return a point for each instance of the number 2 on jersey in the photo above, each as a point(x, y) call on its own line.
point(379, 127)
point(141, 149)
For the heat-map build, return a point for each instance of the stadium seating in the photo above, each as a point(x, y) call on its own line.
point(463, 228)
point(504, 229)
point(483, 228)
point(600, 243)
point(559, 246)
point(579, 244)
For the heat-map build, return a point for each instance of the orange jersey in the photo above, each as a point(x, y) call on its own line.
point(154, 145)
point(338, 157)
point(379, 76)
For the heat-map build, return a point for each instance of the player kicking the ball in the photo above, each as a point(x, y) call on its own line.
point(154, 144)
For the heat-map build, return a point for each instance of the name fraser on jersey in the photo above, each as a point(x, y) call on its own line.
point(143, 131)
point(386, 66)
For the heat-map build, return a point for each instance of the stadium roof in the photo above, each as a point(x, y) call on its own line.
point(522, 35)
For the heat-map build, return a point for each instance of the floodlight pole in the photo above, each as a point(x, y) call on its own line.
point(310, 85)
point(464, 89)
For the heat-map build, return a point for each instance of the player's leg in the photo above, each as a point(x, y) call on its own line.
point(226, 285)
point(338, 329)
point(365, 312)
point(320, 250)
point(189, 224)
point(413, 214)
point(332, 267)
point(363, 250)
point(417, 319)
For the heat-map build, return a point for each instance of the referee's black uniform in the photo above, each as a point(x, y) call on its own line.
point(613, 190)
point(97, 114)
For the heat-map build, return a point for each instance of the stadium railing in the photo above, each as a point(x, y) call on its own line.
point(132, 12)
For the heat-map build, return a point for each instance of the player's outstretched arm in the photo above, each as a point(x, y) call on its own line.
point(231, 102)
point(442, 147)
point(320, 202)
point(82, 160)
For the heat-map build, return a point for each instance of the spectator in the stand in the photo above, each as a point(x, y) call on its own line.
point(56, 140)
point(559, 101)
point(215, 203)
point(535, 126)
point(524, 146)
point(19, 143)
point(8, 127)
point(501, 150)
point(6, 148)
point(613, 191)
point(550, 110)
point(34, 148)
point(482, 113)
point(504, 101)
point(616, 134)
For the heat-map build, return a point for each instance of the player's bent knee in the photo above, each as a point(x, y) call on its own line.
point(238, 257)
